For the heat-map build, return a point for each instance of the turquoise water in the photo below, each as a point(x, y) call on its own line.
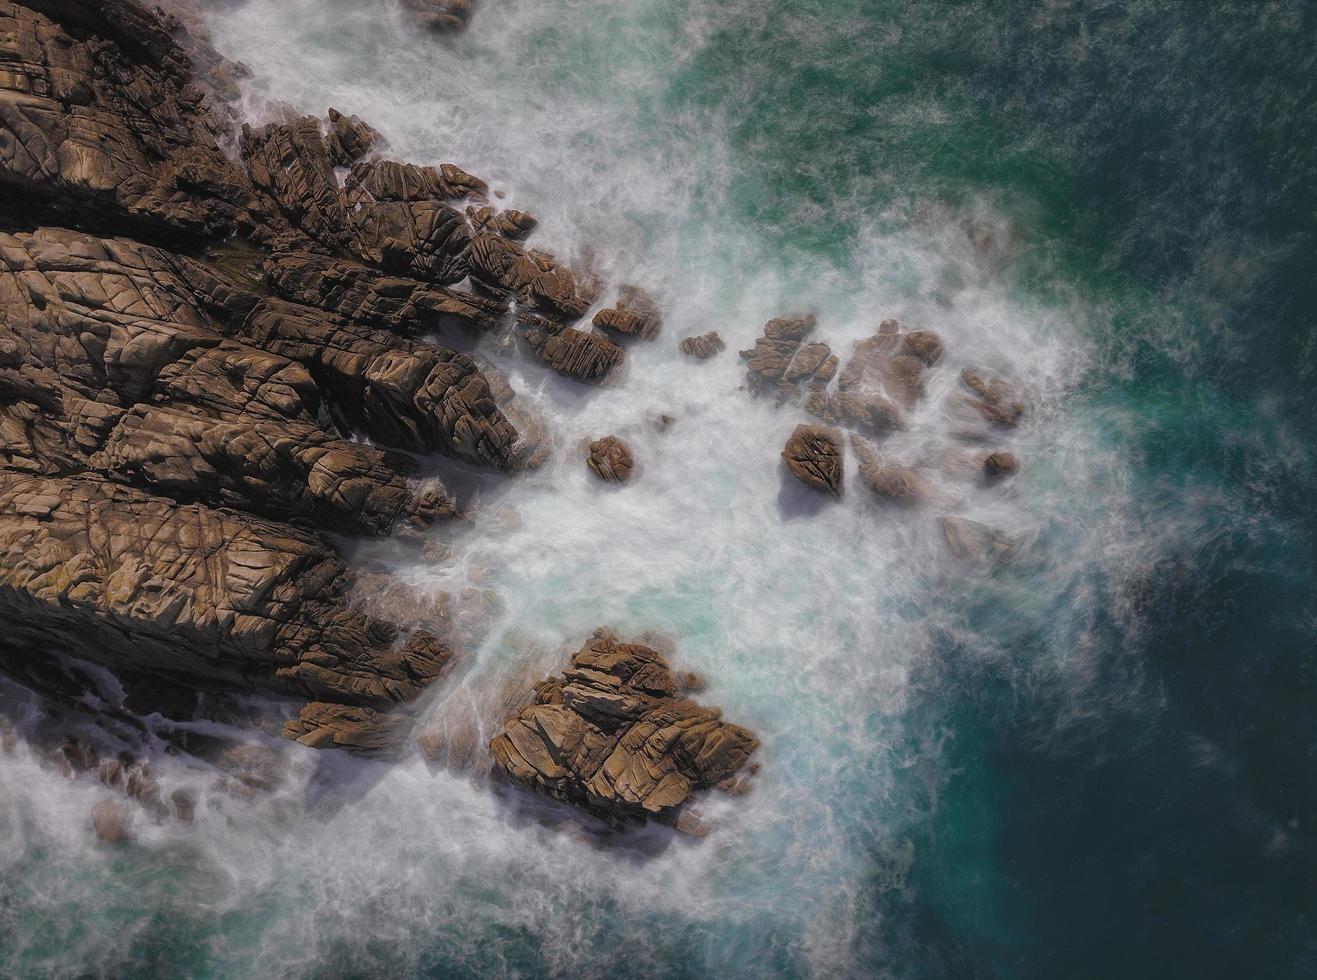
point(1094, 763)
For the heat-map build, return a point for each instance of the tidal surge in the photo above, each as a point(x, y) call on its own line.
point(979, 735)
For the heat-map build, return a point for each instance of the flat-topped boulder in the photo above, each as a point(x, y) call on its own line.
point(616, 735)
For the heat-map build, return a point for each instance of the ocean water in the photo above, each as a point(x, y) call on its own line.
point(1094, 762)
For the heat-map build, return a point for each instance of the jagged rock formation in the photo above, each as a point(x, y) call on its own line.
point(610, 459)
point(815, 456)
point(704, 346)
point(193, 346)
point(635, 315)
point(616, 735)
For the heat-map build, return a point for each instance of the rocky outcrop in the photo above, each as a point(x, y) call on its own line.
point(610, 459)
point(635, 315)
point(704, 346)
point(617, 736)
point(191, 350)
point(815, 454)
point(103, 124)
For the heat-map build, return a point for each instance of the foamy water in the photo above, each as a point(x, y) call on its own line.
point(821, 626)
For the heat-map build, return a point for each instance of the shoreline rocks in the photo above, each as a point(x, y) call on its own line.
point(194, 348)
point(616, 736)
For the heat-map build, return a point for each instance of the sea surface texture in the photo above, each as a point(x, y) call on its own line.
point(1096, 760)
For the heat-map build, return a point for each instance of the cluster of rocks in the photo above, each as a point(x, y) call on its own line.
point(193, 347)
point(617, 735)
point(885, 378)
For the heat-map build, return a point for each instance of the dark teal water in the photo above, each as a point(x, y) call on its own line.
point(1097, 764)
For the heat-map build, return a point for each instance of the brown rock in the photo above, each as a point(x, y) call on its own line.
point(185, 804)
point(703, 346)
point(571, 352)
point(112, 820)
point(615, 737)
point(814, 454)
point(350, 138)
point(610, 459)
point(1000, 464)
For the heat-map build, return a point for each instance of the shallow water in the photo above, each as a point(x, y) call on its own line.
point(1094, 762)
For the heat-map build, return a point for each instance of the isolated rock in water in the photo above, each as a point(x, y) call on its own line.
point(112, 820)
point(975, 542)
point(616, 736)
point(610, 459)
point(1000, 464)
point(185, 804)
point(441, 16)
point(704, 346)
point(814, 454)
point(997, 401)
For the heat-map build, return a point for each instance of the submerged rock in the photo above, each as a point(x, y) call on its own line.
point(975, 542)
point(814, 454)
point(112, 821)
point(889, 480)
point(441, 16)
point(997, 401)
point(610, 459)
point(616, 736)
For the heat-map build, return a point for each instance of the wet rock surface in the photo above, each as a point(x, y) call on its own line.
point(704, 346)
point(610, 459)
point(194, 346)
point(616, 735)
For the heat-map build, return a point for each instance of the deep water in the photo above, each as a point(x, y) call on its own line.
point(1098, 762)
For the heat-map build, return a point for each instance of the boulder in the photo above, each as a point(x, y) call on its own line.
point(703, 346)
point(616, 736)
point(814, 454)
point(610, 459)
point(998, 465)
point(635, 315)
point(112, 820)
